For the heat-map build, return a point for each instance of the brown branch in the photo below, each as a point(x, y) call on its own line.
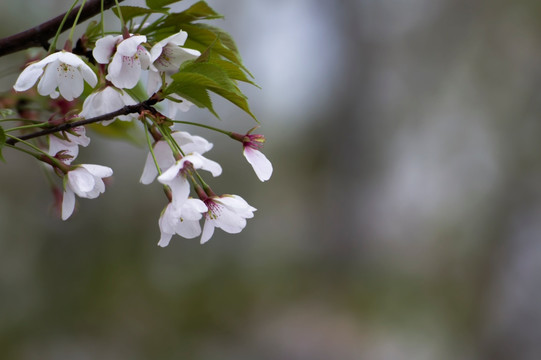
point(40, 35)
point(126, 110)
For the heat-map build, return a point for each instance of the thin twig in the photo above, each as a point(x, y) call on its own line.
point(39, 36)
point(126, 110)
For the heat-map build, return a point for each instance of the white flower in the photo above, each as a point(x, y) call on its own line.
point(251, 143)
point(172, 108)
point(227, 212)
point(176, 176)
point(68, 147)
point(183, 220)
point(105, 101)
point(166, 56)
point(63, 70)
point(129, 59)
point(164, 156)
point(85, 181)
point(261, 165)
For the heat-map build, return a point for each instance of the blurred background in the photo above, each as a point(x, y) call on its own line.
point(402, 221)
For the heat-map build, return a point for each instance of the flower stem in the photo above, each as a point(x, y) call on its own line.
point(34, 147)
point(101, 19)
point(70, 37)
point(122, 23)
point(27, 127)
point(24, 151)
point(149, 142)
point(228, 133)
point(53, 44)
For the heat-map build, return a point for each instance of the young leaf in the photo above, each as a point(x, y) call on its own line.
point(233, 71)
point(209, 77)
point(198, 11)
point(201, 37)
point(159, 4)
point(130, 12)
point(189, 89)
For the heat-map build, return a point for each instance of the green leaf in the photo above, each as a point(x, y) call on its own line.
point(159, 4)
point(189, 89)
point(130, 12)
point(201, 37)
point(198, 11)
point(2, 142)
point(233, 71)
point(211, 77)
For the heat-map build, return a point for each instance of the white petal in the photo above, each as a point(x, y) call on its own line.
point(149, 171)
point(80, 138)
point(169, 219)
point(124, 71)
point(129, 46)
point(69, 58)
point(49, 79)
point(193, 209)
point(89, 75)
point(230, 222)
point(80, 181)
point(144, 57)
point(98, 170)
point(28, 77)
point(68, 203)
point(180, 189)
point(208, 231)
point(188, 229)
point(70, 82)
point(261, 165)
point(154, 82)
point(56, 145)
point(104, 48)
point(168, 175)
point(164, 239)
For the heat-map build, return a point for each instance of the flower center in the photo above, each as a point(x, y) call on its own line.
point(214, 209)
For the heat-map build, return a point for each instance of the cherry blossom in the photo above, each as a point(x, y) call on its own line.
point(251, 143)
point(183, 220)
point(128, 60)
point(168, 54)
point(67, 148)
point(62, 70)
point(107, 100)
point(176, 176)
point(85, 181)
point(164, 155)
point(227, 212)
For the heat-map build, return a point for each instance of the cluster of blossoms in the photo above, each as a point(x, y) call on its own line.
point(175, 159)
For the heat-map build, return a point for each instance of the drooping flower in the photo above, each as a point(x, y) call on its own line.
point(85, 181)
point(67, 149)
point(251, 143)
point(164, 156)
point(227, 212)
point(168, 54)
point(176, 176)
point(128, 60)
point(107, 100)
point(183, 220)
point(62, 70)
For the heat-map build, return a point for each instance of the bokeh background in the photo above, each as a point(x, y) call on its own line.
point(403, 219)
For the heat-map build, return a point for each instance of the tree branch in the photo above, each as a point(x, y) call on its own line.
point(40, 35)
point(126, 110)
